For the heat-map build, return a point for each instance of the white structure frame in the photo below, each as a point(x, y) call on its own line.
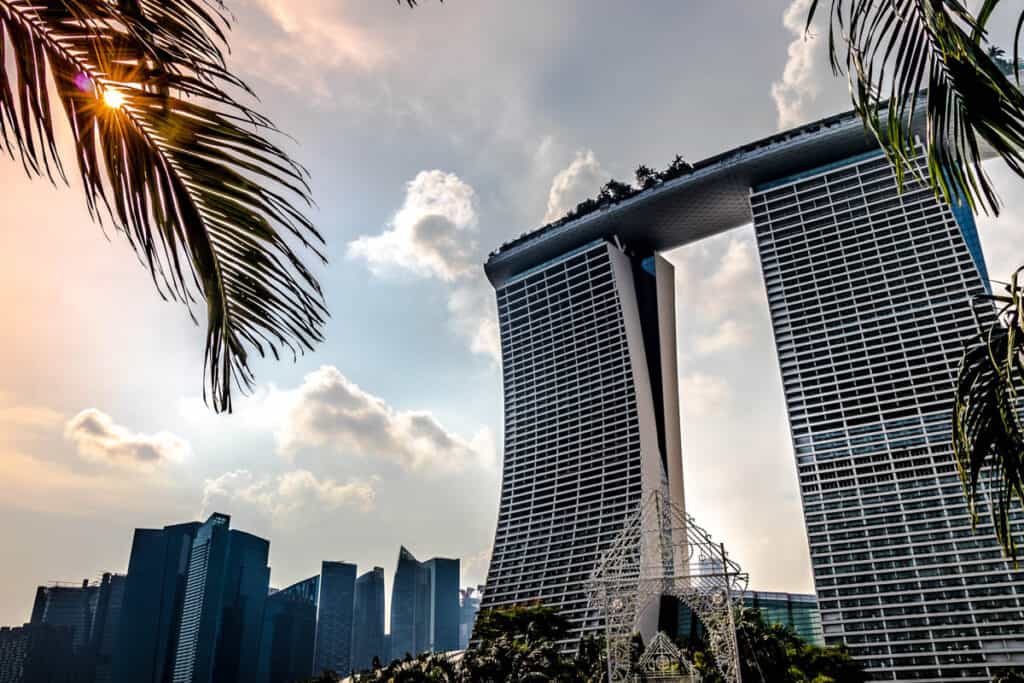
point(662, 551)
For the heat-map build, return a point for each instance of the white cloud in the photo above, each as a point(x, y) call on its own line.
point(474, 316)
point(580, 180)
point(728, 335)
point(801, 80)
point(329, 411)
point(280, 497)
point(98, 438)
point(432, 235)
point(702, 394)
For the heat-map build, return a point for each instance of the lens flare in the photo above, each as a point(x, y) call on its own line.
point(113, 98)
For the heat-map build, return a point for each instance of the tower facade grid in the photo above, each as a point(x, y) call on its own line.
point(871, 294)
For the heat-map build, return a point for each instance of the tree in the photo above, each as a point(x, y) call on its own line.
point(900, 54)
point(170, 156)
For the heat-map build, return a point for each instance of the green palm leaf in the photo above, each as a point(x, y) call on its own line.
point(173, 159)
point(902, 53)
point(988, 440)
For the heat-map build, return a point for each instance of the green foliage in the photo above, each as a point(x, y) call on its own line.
point(167, 153)
point(1015, 676)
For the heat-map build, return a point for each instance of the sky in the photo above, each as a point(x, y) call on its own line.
point(432, 136)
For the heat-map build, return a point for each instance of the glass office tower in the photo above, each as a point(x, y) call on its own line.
point(591, 419)
point(410, 607)
point(792, 610)
point(289, 633)
point(368, 622)
point(444, 574)
point(153, 595)
point(871, 302)
point(334, 618)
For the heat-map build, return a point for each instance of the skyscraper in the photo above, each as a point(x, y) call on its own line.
point(37, 653)
point(424, 606)
point(409, 607)
point(368, 621)
point(871, 295)
point(222, 612)
point(792, 610)
point(334, 618)
point(288, 639)
point(68, 606)
point(591, 418)
point(153, 596)
point(443, 627)
point(469, 606)
point(106, 626)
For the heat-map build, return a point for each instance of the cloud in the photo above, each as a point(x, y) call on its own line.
point(432, 235)
point(329, 411)
point(802, 76)
point(728, 335)
point(98, 438)
point(280, 497)
point(19, 415)
point(702, 394)
point(580, 180)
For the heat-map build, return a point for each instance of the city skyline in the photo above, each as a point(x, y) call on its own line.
point(76, 437)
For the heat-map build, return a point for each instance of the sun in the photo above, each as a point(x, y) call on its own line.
point(113, 98)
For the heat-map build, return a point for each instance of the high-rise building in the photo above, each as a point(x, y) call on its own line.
point(222, 612)
point(289, 633)
point(105, 630)
point(591, 418)
point(368, 621)
point(334, 618)
point(38, 653)
point(409, 607)
point(153, 596)
point(469, 607)
point(870, 293)
point(872, 298)
point(424, 606)
point(443, 627)
point(793, 610)
point(69, 606)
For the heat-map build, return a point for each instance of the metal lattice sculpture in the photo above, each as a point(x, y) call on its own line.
point(662, 551)
point(662, 662)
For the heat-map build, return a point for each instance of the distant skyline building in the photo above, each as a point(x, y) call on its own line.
point(469, 607)
point(443, 628)
point(368, 620)
point(37, 653)
point(334, 618)
point(795, 611)
point(870, 293)
point(70, 606)
point(424, 605)
point(153, 597)
point(222, 613)
point(106, 626)
point(287, 643)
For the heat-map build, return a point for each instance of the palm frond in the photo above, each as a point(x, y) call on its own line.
point(902, 53)
point(988, 439)
point(169, 155)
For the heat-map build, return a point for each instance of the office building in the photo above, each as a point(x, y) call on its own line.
point(795, 611)
point(222, 612)
point(469, 607)
point(38, 653)
point(153, 596)
point(872, 299)
point(368, 621)
point(870, 293)
point(105, 630)
point(424, 606)
point(289, 634)
point(334, 618)
point(69, 606)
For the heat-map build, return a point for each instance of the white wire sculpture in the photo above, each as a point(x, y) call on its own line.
point(661, 551)
point(662, 662)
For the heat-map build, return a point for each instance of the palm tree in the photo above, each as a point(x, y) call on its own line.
point(170, 156)
point(899, 55)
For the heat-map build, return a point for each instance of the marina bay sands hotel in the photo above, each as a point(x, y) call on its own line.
point(872, 296)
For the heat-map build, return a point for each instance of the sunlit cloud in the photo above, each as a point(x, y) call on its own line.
point(798, 89)
point(98, 438)
point(580, 180)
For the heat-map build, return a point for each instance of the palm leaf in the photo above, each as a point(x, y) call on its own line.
point(988, 440)
point(169, 155)
point(902, 53)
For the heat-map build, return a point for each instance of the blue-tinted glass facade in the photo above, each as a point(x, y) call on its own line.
point(444, 604)
point(334, 618)
point(245, 585)
point(368, 622)
point(409, 607)
point(289, 632)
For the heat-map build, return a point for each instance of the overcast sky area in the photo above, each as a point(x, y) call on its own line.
point(432, 136)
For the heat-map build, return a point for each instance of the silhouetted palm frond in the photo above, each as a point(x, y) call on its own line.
point(168, 154)
point(988, 440)
point(899, 53)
